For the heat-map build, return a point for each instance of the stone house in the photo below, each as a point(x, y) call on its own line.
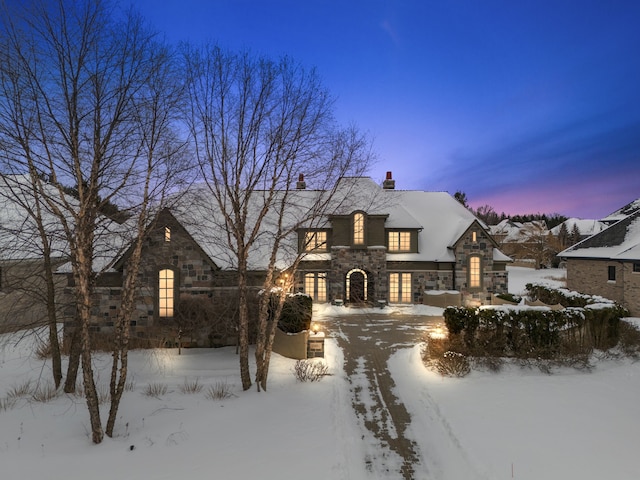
point(608, 263)
point(393, 246)
point(372, 245)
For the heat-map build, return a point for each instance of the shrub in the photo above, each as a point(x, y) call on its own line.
point(453, 364)
point(155, 390)
point(44, 393)
point(296, 313)
point(629, 339)
point(191, 386)
point(219, 391)
point(7, 403)
point(23, 389)
point(310, 370)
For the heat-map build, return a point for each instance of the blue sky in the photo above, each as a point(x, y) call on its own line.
point(529, 106)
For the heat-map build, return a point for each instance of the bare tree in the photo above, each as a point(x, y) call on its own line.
point(86, 112)
point(257, 124)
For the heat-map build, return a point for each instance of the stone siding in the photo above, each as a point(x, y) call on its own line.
point(494, 277)
point(372, 260)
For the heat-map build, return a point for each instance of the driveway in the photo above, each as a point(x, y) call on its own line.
point(368, 341)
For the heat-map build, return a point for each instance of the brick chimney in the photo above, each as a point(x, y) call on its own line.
point(389, 183)
point(301, 185)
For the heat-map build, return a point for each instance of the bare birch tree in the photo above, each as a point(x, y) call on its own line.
point(87, 113)
point(257, 124)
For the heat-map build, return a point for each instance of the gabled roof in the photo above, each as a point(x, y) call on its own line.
point(586, 226)
point(621, 241)
point(623, 212)
point(441, 219)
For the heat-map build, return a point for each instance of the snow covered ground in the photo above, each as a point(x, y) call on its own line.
point(520, 423)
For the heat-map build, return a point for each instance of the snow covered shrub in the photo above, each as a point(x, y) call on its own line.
point(310, 370)
point(23, 389)
point(453, 364)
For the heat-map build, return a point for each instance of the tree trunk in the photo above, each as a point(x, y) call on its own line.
point(56, 360)
point(74, 361)
point(243, 326)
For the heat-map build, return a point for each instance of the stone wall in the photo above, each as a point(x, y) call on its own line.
point(372, 260)
point(494, 277)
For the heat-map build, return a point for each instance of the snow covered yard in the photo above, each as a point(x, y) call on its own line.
point(520, 423)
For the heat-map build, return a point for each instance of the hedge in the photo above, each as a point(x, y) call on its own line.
point(532, 333)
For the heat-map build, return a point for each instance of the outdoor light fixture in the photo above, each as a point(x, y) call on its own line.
point(438, 333)
point(315, 327)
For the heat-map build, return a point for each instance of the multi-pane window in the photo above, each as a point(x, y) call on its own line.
point(399, 241)
point(315, 241)
point(475, 273)
point(165, 292)
point(400, 288)
point(358, 228)
point(612, 273)
point(315, 285)
point(167, 234)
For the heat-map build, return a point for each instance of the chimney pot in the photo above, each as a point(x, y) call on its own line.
point(389, 183)
point(301, 185)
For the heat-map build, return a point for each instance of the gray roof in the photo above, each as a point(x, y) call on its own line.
point(621, 241)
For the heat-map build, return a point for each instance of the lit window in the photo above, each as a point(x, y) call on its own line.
point(167, 234)
point(474, 272)
point(399, 241)
point(358, 228)
point(612, 273)
point(315, 285)
point(314, 241)
point(400, 288)
point(165, 293)
point(474, 237)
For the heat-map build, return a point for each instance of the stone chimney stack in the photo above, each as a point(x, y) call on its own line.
point(389, 183)
point(301, 185)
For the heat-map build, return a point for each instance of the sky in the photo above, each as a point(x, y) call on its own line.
point(527, 106)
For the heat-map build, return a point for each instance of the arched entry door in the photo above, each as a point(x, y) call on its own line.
point(357, 286)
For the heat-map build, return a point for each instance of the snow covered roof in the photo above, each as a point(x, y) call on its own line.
point(623, 212)
point(517, 231)
point(621, 241)
point(586, 226)
point(19, 238)
point(440, 219)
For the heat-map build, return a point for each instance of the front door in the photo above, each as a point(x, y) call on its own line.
point(357, 287)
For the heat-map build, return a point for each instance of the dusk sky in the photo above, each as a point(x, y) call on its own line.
point(528, 106)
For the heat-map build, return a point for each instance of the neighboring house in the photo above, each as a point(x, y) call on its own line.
point(529, 243)
point(608, 263)
point(23, 301)
point(621, 213)
point(586, 227)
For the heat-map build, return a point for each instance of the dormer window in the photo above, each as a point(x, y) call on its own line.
point(358, 228)
point(315, 241)
point(167, 234)
point(399, 241)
